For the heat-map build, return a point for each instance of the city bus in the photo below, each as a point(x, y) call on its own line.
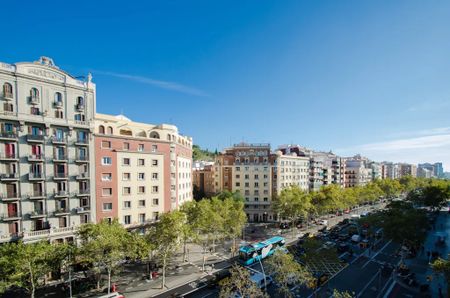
point(254, 252)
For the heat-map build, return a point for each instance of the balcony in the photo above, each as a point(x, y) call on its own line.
point(35, 138)
point(37, 195)
point(83, 193)
point(82, 176)
point(58, 104)
point(58, 140)
point(11, 216)
point(81, 142)
point(82, 210)
point(8, 157)
point(36, 158)
point(35, 176)
point(60, 194)
point(8, 136)
point(60, 158)
point(60, 176)
point(80, 107)
point(34, 100)
point(8, 96)
point(82, 159)
point(9, 177)
point(9, 197)
point(61, 211)
point(37, 214)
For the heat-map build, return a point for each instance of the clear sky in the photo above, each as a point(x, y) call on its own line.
point(370, 77)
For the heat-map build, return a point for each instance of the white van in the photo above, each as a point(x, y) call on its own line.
point(258, 279)
point(356, 238)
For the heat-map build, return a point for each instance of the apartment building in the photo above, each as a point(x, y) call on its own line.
point(357, 172)
point(203, 179)
point(247, 168)
point(405, 169)
point(289, 170)
point(390, 170)
point(46, 151)
point(141, 170)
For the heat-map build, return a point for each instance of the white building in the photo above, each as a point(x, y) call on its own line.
point(45, 151)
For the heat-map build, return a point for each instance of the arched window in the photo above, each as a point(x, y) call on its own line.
point(126, 132)
point(80, 101)
point(141, 134)
point(154, 135)
point(34, 93)
point(58, 98)
point(7, 90)
point(168, 138)
point(101, 129)
point(110, 130)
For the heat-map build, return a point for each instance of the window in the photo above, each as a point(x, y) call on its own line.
point(106, 161)
point(155, 202)
point(141, 162)
point(58, 99)
point(8, 107)
point(59, 114)
point(106, 192)
point(106, 177)
point(107, 206)
point(126, 146)
point(142, 218)
point(127, 204)
point(154, 176)
point(127, 219)
point(34, 111)
point(155, 215)
point(101, 129)
point(127, 190)
point(126, 162)
point(106, 144)
point(238, 176)
point(256, 184)
point(256, 176)
point(7, 90)
point(238, 184)
point(238, 169)
point(154, 148)
point(154, 162)
point(34, 94)
point(110, 130)
point(80, 117)
point(141, 147)
point(80, 101)
point(141, 176)
point(126, 176)
point(247, 176)
point(155, 189)
point(141, 189)
point(141, 203)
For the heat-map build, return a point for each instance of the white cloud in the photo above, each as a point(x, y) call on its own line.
point(433, 147)
point(157, 83)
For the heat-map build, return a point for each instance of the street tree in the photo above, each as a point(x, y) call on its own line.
point(443, 266)
point(26, 265)
point(167, 238)
point(141, 248)
point(239, 284)
point(234, 219)
point(287, 272)
point(103, 246)
point(433, 194)
point(292, 204)
point(342, 294)
point(391, 187)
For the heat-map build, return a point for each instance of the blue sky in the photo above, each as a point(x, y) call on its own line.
point(370, 77)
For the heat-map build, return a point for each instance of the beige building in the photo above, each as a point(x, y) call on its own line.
point(141, 170)
point(46, 151)
point(290, 170)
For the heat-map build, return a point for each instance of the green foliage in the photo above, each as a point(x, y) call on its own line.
point(292, 204)
point(25, 265)
point(442, 266)
point(103, 245)
point(390, 187)
point(342, 294)
point(433, 193)
point(201, 154)
point(287, 272)
point(239, 284)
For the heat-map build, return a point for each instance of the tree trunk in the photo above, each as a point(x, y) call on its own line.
point(109, 280)
point(163, 284)
point(184, 248)
point(33, 288)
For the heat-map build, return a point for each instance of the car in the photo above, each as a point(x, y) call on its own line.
point(356, 238)
point(258, 279)
point(343, 236)
point(284, 225)
point(343, 247)
point(329, 244)
point(113, 295)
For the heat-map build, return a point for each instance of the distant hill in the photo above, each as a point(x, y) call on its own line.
point(202, 154)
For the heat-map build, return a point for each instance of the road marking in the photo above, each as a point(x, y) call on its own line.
point(376, 254)
point(370, 281)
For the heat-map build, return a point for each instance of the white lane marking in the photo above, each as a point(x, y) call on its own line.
point(376, 254)
point(370, 281)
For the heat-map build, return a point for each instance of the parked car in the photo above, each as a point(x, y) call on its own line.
point(324, 222)
point(356, 238)
point(343, 247)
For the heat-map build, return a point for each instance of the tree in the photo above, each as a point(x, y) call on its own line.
point(343, 294)
point(25, 265)
point(239, 284)
point(292, 204)
point(141, 248)
point(234, 219)
point(434, 194)
point(443, 266)
point(391, 188)
point(167, 237)
point(287, 272)
point(103, 245)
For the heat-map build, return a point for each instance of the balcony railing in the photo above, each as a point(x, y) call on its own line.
point(8, 156)
point(9, 177)
point(37, 213)
point(58, 104)
point(9, 135)
point(35, 176)
point(60, 176)
point(82, 158)
point(84, 209)
point(34, 99)
point(60, 158)
point(8, 95)
point(80, 107)
point(61, 211)
point(35, 157)
point(82, 176)
point(81, 142)
point(58, 140)
point(35, 138)
point(37, 195)
point(83, 192)
point(9, 196)
point(10, 216)
point(60, 193)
